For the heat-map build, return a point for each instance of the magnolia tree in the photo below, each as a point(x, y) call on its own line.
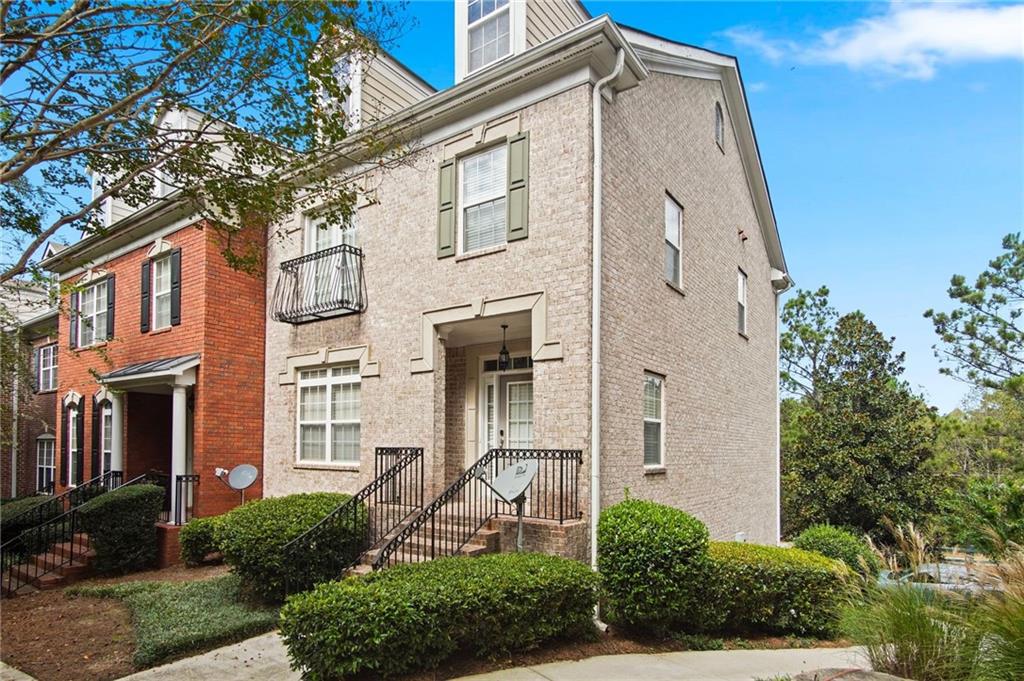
point(232, 105)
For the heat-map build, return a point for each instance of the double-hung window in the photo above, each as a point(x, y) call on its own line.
point(162, 292)
point(673, 241)
point(741, 302)
point(73, 444)
point(488, 26)
point(483, 185)
point(654, 420)
point(47, 369)
point(106, 435)
point(92, 314)
point(329, 415)
point(45, 462)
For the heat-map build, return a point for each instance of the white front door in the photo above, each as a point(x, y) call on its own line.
point(507, 412)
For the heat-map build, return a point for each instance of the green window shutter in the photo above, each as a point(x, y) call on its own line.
point(518, 203)
point(446, 210)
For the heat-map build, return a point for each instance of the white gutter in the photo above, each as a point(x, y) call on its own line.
point(595, 313)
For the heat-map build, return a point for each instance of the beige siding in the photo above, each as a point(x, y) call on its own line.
point(719, 395)
point(546, 19)
point(386, 89)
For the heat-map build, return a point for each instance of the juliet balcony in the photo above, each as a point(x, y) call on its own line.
point(328, 283)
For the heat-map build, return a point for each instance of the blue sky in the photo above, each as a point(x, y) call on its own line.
point(892, 137)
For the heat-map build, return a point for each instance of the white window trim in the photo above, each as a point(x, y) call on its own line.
point(742, 298)
point(97, 338)
point(52, 467)
point(106, 455)
point(669, 199)
point(51, 385)
point(328, 381)
point(661, 423)
point(72, 430)
point(516, 37)
point(460, 205)
point(166, 257)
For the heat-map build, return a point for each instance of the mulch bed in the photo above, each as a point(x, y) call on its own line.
point(52, 637)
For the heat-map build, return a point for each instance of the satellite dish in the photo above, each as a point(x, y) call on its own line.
point(512, 483)
point(242, 476)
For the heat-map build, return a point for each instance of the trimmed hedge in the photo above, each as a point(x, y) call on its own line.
point(653, 563)
point(10, 526)
point(252, 538)
point(839, 544)
point(765, 588)
point(122, 526)
point(198, 539)
point(412, 617)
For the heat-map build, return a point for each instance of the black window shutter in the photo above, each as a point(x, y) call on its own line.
point(144, 296)
point(65, 445)
point(110, 307)
point(176, 287)
point(73, 324)
point(97, 409)
point(80, 453)
point(36, 357)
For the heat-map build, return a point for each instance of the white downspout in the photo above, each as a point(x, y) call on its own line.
point(595, 314)
point(15, 439)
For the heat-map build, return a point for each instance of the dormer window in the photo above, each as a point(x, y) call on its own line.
point(488, 32)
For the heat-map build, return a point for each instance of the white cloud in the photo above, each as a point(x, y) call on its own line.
point(757, 86)
point(907, 41)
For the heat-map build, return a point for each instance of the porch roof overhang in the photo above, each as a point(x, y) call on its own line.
point(168, 371)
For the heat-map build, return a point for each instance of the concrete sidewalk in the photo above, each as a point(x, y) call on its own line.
point(264, 658)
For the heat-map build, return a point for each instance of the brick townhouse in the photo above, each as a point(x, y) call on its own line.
point(161, 358)
point(580, 256)
point(29, 391)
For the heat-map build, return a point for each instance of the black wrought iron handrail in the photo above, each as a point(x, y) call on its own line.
point(318, 285)
point(67, 500)
point(31, 555)
point(448, 523)
point(370, 514)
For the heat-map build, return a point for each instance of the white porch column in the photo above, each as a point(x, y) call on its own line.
point(179, 437)
point(117, 433)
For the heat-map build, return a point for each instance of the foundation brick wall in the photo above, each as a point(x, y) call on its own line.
point(222, 319)
point(569, 539)
point(720, 399)
point(404, 279)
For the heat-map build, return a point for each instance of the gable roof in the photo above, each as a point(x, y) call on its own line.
point(668, 56)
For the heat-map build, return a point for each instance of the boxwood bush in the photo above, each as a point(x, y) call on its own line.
point(653, 561)
point(122, 526)
point(198, 539)
point(839, 544)
point(11, 525)
point(412, 617)
point(252, 538)
point(770, 589)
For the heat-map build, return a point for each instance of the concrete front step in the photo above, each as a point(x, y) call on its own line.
point(63, 563)
point(11, 586)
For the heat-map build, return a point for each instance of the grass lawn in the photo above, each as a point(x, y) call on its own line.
point(176, 618)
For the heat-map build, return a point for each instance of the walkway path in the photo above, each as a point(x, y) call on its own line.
point(264, 658)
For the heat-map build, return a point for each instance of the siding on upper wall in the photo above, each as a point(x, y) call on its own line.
point(386, 90)
point(546, 19)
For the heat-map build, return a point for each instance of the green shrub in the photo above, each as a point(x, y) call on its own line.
point(252, 538)
point(11, 525)
point(198, 540)
point(839, 544)
point(122, 526)
point(770, 589)
point(412, 617)
point(653, 563)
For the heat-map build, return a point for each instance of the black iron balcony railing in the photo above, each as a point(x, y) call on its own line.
point(328, 283)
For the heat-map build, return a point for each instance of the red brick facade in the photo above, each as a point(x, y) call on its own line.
point(222, 320)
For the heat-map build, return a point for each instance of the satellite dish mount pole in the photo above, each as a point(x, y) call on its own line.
point(520, 502)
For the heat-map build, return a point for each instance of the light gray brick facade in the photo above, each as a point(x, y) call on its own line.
point(720, 387)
